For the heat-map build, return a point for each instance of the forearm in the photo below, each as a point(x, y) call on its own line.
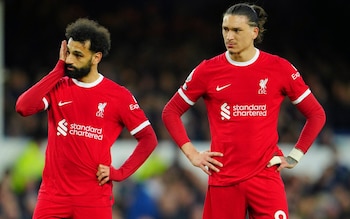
point(31, 101)
point(189, 150)
point(315, 120)
point(171, 117)
point(147, 141)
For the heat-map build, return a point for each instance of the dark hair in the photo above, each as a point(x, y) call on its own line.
point(84, 29)
point(256, 15)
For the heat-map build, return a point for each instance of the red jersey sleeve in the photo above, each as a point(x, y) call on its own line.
point(315, 120)
point(147, 142)
point(301, 96)
point(135, 120)
point(32, 100)
point(171, 117)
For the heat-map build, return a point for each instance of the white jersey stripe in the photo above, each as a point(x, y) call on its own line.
point(140, 127)
point(186, 99)
point(302, 97)
point(46, 103)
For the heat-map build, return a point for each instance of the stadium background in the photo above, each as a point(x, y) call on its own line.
point(155, 44)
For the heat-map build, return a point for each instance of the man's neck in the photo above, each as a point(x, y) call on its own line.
point(244, 55)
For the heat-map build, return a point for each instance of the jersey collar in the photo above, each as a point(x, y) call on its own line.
point(88, 85)
point(255, 57)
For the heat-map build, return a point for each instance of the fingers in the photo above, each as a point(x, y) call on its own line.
point(205, 169)
point(274, 161)
point(208, 166)
point(63, 50)
point(213, 162)
point(102, 178)
point(102, 174)
point(281, 162)
point(214, 153)
point(208, 163)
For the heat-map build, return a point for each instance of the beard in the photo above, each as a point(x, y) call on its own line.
point(77, 73)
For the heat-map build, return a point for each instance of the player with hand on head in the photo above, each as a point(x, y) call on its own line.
point(243, 89)
point(86, 114)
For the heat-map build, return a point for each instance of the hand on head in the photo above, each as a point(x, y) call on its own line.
point(63, 50)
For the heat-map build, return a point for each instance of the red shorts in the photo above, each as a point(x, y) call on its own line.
point(46, 209)
point(261, 197)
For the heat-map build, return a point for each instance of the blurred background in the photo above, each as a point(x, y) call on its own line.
point(155, 45)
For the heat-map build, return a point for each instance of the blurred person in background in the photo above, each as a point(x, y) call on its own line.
point(86, 114)
point(243, 89)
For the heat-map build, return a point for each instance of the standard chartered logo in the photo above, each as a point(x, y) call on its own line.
point(225, 111)
point(62, 128)
point(252, 110)
point(79, 130)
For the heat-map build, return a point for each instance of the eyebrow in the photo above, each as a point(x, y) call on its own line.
point(76, 52)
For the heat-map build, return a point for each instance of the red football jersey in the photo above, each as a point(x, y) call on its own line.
point(84, 121)
point(243, 100)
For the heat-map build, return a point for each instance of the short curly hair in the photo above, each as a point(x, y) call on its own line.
point(84, 29)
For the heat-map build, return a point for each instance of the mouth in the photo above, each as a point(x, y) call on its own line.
point(230, 45)
point(70, 68)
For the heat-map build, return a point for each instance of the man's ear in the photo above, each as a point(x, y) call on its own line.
point(96, 58)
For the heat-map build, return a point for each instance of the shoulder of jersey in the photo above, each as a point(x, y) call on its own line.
point(214, 61)
point(115, 87)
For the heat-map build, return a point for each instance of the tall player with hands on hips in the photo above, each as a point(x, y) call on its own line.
point(243, 89)
point(86, 114)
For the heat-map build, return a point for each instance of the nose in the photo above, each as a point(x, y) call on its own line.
point(69, 59)
point(230, 35)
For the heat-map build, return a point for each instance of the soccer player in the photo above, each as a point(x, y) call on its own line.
point(86, 114)
point(243, 89)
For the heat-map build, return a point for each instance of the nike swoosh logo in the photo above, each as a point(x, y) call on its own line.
point(64, 103)
point(222, 87)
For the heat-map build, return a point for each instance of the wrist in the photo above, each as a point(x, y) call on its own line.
point(291, 161)
point(296, 154)
point(189, 150)
point(114, 174)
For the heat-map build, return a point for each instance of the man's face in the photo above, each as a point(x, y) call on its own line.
point(78, 61)
point(238, 35)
